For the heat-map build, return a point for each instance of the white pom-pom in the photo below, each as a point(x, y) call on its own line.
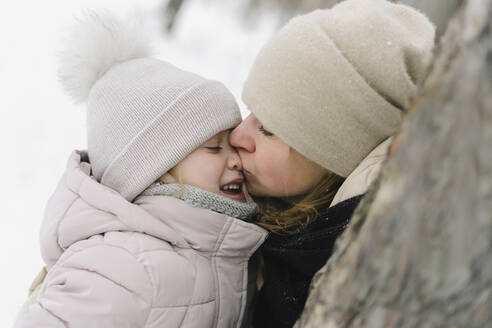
point(96, 43)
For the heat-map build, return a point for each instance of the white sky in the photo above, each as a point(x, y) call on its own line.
point(39, 126)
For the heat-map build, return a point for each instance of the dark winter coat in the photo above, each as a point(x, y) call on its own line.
point(290, 262)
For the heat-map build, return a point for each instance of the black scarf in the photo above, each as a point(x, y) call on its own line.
point(291, 262)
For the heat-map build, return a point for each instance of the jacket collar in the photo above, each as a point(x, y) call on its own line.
point(204, 229)
point(307, 250)
point(358, 182)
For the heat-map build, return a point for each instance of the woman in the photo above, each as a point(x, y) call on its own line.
point(326, 94)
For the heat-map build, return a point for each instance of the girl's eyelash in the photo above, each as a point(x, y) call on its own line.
point(214, 148)
point(265, 132)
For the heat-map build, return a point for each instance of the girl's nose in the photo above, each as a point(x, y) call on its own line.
point(242, 136)
point(234, 161)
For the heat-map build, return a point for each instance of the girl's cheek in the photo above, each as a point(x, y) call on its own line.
point(214, 166)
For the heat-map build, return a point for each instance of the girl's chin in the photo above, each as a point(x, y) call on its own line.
point(239, 197)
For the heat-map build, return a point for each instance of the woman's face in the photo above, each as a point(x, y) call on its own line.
point(214, 166)
point(271, 167)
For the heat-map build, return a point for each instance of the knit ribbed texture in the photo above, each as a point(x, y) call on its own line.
point(145, 116)
point(332, 84)
point(204, 199)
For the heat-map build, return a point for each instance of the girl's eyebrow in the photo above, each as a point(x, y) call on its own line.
point(215, 138)
point(220, 137)
point(226, 135)
point(223, 136)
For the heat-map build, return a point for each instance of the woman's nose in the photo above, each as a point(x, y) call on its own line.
point(242, 136)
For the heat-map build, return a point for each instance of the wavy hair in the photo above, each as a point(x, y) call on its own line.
point(290, 215)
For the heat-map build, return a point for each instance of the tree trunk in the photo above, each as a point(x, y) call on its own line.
point(418, 251)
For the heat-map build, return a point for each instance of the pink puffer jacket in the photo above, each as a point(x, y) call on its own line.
point(157, 262)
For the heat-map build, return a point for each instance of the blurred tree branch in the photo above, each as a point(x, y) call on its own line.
point(439, 11)
point(171, 11)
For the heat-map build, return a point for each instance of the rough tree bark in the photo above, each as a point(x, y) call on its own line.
point(418, 252)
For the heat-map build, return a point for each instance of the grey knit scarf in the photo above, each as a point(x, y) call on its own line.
point(204, 199)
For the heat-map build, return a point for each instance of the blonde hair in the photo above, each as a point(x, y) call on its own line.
point(287, 216)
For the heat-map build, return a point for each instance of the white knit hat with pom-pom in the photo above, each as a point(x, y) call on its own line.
point(143, 115)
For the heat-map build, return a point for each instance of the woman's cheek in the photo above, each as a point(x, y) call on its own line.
point(275, 177)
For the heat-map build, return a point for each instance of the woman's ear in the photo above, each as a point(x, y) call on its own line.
point(168, 178)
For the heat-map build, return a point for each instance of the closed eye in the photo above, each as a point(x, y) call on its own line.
point(214, 148)
point(264, 131)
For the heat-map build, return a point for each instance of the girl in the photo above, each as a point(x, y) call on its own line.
point(326, 94)
point(149, 227)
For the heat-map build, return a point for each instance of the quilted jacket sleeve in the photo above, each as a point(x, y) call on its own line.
point(92, 285)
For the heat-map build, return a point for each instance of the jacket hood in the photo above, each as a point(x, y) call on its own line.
point(81, 207)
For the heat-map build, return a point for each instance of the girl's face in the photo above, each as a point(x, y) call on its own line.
point(271, 167)
point(215, 166)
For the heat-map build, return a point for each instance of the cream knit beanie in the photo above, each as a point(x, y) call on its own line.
point(143, 115)
point(332, 84)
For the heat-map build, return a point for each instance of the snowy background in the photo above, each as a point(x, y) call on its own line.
point(39, 126)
